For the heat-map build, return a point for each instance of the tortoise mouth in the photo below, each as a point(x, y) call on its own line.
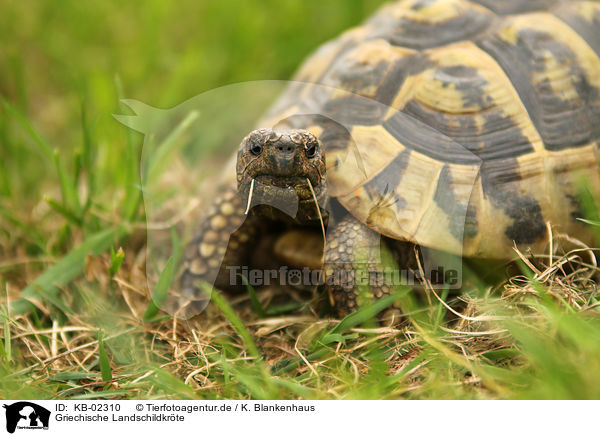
point(297, 180)
point(276, 196)
point(297, 183)
point(282, 181)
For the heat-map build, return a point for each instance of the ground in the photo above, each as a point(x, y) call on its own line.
point(73, 237)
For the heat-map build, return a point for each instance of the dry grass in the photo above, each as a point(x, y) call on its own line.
point(467, 335)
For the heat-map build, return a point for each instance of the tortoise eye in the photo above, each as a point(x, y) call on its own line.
point(311, 149)
point(256, 149)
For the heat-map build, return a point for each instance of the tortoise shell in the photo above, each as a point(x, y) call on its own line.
point(465, 126)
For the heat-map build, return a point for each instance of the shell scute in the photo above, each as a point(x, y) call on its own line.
point(461, 125)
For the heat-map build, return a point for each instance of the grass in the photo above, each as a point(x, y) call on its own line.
point(78, 317)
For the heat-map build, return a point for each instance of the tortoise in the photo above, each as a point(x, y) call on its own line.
point(464, 126)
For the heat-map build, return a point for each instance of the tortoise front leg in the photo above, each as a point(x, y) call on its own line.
point(221, 247)
point(354, 273)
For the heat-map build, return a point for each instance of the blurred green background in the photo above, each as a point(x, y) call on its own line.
point(57, 57)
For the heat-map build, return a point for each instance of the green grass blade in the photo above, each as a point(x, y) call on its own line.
point(68, 268)
point(33, 133)
point(105, 368)
point(133, 193)
point(172, 385)
point(5, 182)
point(367, 312)
point(590, 222)
point(67, 186)
point(103, 394)
point(64, 211)
point(27, 228)
point(7, 345)
point(292, 363)
point(66, 376)
point(165, 279)
point(116, 261)
point(295, 388)
point(256, 306)
point(161, 291)
point(159, 157)
point(233, 318)
point(87, 157)
point(78, 166)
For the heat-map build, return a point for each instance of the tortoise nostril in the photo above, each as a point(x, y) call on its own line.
point(285, 148)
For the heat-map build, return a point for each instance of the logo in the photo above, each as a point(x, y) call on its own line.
point(26, 415)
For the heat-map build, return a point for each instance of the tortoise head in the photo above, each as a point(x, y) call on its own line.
point(281, 166)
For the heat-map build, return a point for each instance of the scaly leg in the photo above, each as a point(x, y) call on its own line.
point(354, 272)
point(221, 247)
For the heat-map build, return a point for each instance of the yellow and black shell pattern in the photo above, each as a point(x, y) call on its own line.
point(476, 123)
